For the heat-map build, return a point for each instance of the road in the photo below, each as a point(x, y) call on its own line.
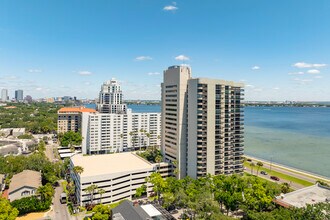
point(287, 171)
point(267, 177)
point(59, 211)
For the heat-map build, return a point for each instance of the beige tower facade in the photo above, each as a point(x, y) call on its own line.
point(174, 116)
point(215, 127)
point(202, 124)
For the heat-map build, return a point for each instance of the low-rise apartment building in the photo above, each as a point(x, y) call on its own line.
point(69, 118)
point(119, 175)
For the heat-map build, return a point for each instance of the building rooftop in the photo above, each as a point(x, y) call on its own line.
point(151, 210)
point(109, 163)
point(26, 178)
point(308, 195)
point(75, 109)
point(127, 211)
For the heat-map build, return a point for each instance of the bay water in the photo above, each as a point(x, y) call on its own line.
point(297, 137)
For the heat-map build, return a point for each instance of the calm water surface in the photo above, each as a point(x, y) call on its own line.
point(296, 137)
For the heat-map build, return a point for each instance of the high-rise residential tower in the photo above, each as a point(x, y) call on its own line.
point(4, 95)
point(19, 95)
point(111, 98)
point(202, 127)
point(174, 116)
point(215, 127)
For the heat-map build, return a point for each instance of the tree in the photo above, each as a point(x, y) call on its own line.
point(140, 191)
point(7, 212)
point(101, 192)
point(70, 138)
point(285, 187)
point(252, 166)
point(176, 169)
point(45, 192)
point(78, 170)
point(41, 146)
point(158, 183)
point(91, 190)
point(158, 159)
point(101, 212)
point(259, 164)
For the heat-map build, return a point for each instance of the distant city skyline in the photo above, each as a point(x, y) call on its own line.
point(278, 49)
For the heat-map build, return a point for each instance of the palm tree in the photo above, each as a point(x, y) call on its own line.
point(252, 166)
point(285, 187)
point(259, 164)
point(43, 192)
point(91, 190)
point(78, 170)
point(176, 170)
point(158, 159)
point(101, 192)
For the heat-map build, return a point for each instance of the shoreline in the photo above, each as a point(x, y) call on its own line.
point(291, 169)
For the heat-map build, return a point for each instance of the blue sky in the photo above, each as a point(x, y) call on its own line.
point(279, 48)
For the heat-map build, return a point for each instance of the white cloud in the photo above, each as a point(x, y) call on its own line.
point(302, 81)
point(153, 73)
point(39, 89)
point(182, 58)
point(255, 68)
point(276, 88)
point(87, 83)
point(143, 58)
point(313, 71)
point(34, 70)
point(249, 86)
point(309, 65)
point(85, 73)
point(318, 77)
point(171, 7)
point(296, 73)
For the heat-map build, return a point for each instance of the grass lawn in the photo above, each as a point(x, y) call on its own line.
point(279, 175)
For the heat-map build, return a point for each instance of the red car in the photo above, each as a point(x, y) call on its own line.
point(275, 178)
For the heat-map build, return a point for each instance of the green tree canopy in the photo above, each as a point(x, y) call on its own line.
point(70, 138)
point(7, 212)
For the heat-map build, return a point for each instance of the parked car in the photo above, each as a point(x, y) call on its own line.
point(275, 178)
point(249, 160)
point(263, 172)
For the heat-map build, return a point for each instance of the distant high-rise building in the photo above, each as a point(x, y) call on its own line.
point(4, 95)
point(111, 98)
point(28, 99)
point(202, 124)
point(19, 95)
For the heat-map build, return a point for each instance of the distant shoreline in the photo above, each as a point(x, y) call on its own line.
point(293, 169)
point(289, 105)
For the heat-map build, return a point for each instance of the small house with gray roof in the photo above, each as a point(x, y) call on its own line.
point(24, 184)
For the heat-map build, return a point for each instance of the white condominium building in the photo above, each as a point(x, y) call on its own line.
point(108, 133)
point(202, 124)
point(4, 95)
point(111, 98)
point(119, 175)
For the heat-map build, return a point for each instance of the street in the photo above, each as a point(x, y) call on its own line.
point(284, 170)
point(59, 211)
point(267, 177)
